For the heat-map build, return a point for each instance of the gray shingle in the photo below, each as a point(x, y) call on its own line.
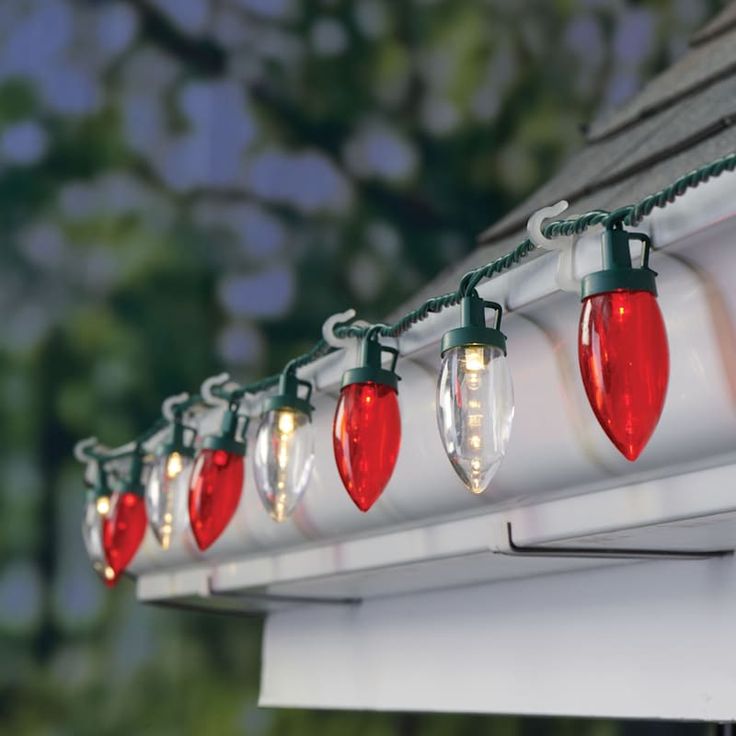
point(619, 158)
point(700, 67)
point(724, 21)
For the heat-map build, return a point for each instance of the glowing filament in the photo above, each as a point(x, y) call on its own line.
point(474, 365)
point(286, 422)
point(474, 358)
point(174, 465)
point(103, 505)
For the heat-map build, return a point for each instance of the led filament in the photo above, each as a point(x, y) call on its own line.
point(103, 505)
point(174, 465)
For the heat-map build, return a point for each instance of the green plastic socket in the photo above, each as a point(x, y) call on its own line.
point(370, 369)
point(288, 396)
point(177, 441)
point(474, 330)
point(227, 440)
point(617, 273)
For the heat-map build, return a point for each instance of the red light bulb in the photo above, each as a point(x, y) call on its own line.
point(122, 533)
point(214, 493)
point(366, 435)
point(624, 361)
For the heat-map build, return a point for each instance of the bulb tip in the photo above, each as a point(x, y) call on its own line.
point(363, 504)
point(202, 544)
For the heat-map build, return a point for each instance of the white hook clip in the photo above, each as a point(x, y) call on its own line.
point(219, 381)
point(167, 408)
point(328, 329)
point(211, 383)
point(350, 345)
point(80, 450)
point(565, 246)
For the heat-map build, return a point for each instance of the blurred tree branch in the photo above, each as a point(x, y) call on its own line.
point(202, 55)
point(209, 58)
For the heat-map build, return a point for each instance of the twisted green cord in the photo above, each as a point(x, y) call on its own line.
point(630, 215)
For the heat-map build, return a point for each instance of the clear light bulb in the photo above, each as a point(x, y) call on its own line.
point(165, 500)
point(475, 410)
point(284, 455)
point(92, 522)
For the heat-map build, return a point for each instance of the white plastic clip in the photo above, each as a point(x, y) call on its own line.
point(80, 449)
point(218, 381)
point(328, 329)
point(565, 246)
point(167, 408)
point(211, 383)
point(350, 345)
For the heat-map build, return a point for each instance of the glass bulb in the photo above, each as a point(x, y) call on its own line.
point(284, 455)
point(475, 410)
point(165, 498)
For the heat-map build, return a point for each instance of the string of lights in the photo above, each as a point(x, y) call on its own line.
point(624, 363)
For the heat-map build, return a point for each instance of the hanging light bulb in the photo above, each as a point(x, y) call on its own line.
point(284, 449)
point(366, 432)
point(124, 526)
point(622, 344)
point(475, 400)
point(217, 479)
point(92, 522)
point(174, 460)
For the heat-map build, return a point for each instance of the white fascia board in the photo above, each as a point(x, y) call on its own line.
point(648, 641)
